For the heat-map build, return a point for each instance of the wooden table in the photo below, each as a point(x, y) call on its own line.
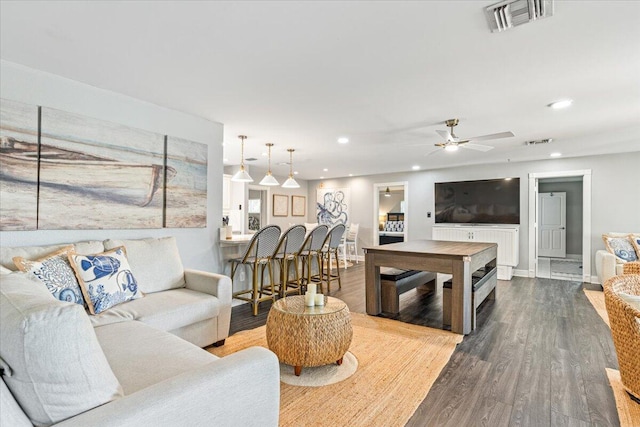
point(459, 259)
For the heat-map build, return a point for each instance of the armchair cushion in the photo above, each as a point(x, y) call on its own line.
point(166, 311)
point(155, 263)
point(53, 378)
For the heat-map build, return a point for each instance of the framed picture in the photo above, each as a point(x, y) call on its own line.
point(280, 205)
point(298, 205)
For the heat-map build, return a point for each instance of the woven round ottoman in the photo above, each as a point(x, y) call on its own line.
point(309, 336)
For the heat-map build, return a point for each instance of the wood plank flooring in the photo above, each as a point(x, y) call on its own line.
point(537, 358)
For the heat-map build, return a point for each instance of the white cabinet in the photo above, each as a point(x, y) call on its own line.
point(506, 236)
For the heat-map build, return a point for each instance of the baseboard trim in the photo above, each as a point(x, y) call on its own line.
point(521, 273)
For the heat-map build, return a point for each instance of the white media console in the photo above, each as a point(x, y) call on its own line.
point(506, 236)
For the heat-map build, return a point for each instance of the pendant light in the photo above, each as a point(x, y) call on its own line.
point(387, 193)
point(290, 182)
point(242, 175)
point(268, 178)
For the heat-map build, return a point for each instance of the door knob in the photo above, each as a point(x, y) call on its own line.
point(561, 228)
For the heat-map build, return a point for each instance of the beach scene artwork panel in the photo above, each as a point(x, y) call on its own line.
point(18, 166)
point(186, 193)
point(96, 174)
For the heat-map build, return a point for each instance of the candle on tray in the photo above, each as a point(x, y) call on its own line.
point(311, 288)
point(319, 299)
point(310, 299)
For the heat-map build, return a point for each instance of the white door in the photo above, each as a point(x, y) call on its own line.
point(552, 233)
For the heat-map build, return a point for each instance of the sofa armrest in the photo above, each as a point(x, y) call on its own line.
point(217, 285)
point(605, 265)
point(242, 389)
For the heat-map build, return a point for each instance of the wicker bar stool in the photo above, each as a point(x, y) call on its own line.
point(330, 250)
point(311, 251)
point(624, 319)
point(286, 255)
point(258, 256)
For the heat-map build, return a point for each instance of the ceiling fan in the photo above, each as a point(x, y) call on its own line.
point(452, 142)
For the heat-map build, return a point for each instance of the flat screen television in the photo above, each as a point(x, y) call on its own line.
point(491, 201)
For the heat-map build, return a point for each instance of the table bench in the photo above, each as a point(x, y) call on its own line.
point(394, 282)
point(484, 283)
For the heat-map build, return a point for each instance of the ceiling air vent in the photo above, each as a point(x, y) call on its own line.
point(510, 13)
point(538, 141)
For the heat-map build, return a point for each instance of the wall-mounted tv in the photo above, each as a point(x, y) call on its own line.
point(491, 201)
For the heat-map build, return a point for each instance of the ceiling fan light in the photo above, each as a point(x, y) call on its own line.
point(290, 183)
point(451, 147)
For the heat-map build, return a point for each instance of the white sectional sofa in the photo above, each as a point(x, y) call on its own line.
point(138, 363)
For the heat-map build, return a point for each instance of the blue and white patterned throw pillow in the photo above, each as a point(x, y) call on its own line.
point(621, 247)
point(105, 279)
point(56, 274)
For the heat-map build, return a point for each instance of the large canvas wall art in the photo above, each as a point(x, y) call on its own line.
point(96, 174)
point(186, 191)
point(18, 166)
point(332, 206)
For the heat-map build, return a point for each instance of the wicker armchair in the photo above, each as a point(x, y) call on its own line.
point(631, 268)
point(625, 329)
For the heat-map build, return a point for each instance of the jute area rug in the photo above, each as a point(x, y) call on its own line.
point(628, 410)
point(397, 365)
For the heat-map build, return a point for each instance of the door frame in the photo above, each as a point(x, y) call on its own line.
point(376, 207)
point(586, 218)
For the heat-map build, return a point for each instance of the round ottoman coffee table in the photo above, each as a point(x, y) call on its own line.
point(309, 336)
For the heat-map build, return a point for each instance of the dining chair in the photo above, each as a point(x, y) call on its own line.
point(286, 255)
point(330, 248)
point(349, 241)
point(311, 251)
point(258, 256)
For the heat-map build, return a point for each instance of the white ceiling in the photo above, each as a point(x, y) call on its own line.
point(385, 74)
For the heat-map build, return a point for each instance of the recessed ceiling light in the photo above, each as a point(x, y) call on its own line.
point(322, 177)
point(350, 174)
point(264, 154)
point(555, 154)
point(325, 170)
point(225, 160)
point(561, 104)
point(343, 140)
point(508, 179)
point(296, 173)
point(451, 147)
point(415, 167)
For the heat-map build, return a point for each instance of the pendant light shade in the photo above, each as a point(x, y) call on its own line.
point(387, 193)
point(268, 178)
point(242, 175)
point(290, 182)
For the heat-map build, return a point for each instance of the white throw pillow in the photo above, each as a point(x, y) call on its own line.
point(58, 369)
point(155, 263)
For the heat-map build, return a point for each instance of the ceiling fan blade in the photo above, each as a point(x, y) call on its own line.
point(445, 134)
point(476, 147)
point(492, 136)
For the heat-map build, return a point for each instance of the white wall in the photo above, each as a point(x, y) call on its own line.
point(198, 247)
point(615, 201)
